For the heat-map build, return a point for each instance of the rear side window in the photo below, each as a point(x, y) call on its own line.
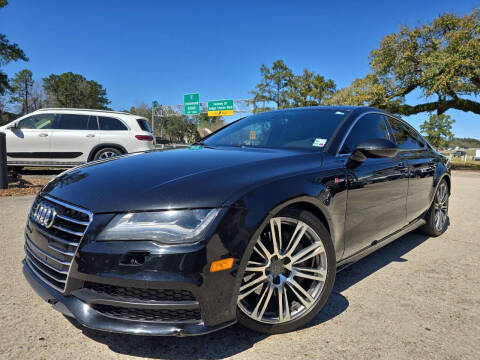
point(405, 137)
point(40, 121)
point(72, 122)
point(144, 125)
point(92, 123)
point(370, 126)
point(110, 124)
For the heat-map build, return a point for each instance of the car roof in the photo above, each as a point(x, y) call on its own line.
point(89, 111)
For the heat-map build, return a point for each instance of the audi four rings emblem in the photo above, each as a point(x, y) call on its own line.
point(45, 214)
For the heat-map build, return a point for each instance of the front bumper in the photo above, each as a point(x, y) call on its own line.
point(72, 306)
point(168, 291)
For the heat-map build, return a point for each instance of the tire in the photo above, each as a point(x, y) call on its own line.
point(259, 301)
point(106, 153)
point(436, 226)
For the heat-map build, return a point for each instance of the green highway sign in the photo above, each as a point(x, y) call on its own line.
point(220, 107)
point(191, 103)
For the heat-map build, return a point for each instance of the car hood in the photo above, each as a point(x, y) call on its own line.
point(197, 177)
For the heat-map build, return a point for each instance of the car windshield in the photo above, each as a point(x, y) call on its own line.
point(297, 129)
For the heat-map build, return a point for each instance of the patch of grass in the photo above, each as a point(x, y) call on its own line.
point(459, 164)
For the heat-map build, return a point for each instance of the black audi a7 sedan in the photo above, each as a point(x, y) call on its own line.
point(251, 224)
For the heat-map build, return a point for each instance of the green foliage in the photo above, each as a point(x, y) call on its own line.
point(180, 128)
point(280, 86)
point(464, 143)
point(438, 129)
point(310, 89)
point(441, 59)
point(274, 86)
point(74, 91)
point(21, 88)
point(8, 53)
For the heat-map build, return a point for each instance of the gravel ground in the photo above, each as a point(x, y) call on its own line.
point(418, 297)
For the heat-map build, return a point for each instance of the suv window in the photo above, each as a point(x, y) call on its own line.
point(370, 126)
point(108, 123)
point(144, 125)
point(404, 136)
point(72, 122)
point(92, 123)
point(40, 121)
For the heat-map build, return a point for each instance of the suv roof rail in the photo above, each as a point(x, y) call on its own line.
point(96, 110)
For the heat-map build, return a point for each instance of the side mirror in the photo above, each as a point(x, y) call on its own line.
point(12, 127)
point(373, 148)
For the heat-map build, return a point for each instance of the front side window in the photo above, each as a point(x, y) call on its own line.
point(40, 122)
point(110, 124)
point(296, 129)
point(72, 122)
point(405, 137)
point(370, 126)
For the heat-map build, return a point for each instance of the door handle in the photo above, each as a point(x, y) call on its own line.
point(43, 135)
point(90, 135)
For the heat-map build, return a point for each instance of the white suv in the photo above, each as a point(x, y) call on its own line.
point(68, 137)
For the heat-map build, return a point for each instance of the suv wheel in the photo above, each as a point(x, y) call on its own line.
point(106, 153)
point(289, 275)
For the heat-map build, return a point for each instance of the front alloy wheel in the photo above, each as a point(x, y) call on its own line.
point(289, 274)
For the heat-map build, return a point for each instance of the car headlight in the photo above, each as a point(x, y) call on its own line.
point(169, 227)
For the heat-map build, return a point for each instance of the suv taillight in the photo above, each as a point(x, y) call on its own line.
point(144, 137)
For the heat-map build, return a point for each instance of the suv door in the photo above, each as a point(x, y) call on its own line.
point(29, 141)
point(377, 189)
point(420, 159)
point(73, 138)
point(114, 131)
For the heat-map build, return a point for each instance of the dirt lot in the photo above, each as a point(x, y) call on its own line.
point(418, 297)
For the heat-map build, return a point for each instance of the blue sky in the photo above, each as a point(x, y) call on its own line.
point(147, 50)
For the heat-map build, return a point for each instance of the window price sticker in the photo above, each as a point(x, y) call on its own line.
point(319, 142)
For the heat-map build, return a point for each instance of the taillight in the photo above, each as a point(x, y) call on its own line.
point(144, 137)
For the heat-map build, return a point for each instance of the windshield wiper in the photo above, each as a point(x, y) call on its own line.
point(201, 143)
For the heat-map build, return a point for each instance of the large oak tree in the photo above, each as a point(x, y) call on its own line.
point(440, 59)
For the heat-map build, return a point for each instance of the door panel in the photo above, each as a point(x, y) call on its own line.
point(73, 137)
point(421, 166)
point(31, 141)
point(376, 202)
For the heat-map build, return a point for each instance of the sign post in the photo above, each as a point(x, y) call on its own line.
point(191, 103)
point(220, 108)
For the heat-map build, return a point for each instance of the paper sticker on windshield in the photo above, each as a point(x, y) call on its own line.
point(319, 142)
point(253, 135)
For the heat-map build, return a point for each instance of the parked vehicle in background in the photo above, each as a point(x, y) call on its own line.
point(162, 141)
point(69, 137)
point(459, 153)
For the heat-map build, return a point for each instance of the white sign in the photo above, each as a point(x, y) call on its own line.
point(477, 154)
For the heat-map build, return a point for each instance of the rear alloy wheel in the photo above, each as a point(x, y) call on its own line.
point(437, 215)
point(106, 153)
point(289, 275)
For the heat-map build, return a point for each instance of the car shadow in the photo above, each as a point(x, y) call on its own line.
point(236, 339)
point(41, 171)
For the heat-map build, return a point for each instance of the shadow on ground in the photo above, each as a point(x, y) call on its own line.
point(41, 171)
point(237, 339)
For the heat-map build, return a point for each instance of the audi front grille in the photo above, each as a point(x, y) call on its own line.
point(54, 232)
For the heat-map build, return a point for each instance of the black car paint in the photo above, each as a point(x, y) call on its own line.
point(251, 186)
